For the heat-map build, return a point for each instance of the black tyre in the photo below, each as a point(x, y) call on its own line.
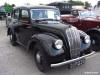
point(6, 23)
point(13, 39)
point(95, 41)
point(40, 58)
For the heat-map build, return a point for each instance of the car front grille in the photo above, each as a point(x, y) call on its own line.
point(74, 42)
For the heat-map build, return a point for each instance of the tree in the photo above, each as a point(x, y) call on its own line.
point(74, 3)
point(8, 7)
point(87, 4)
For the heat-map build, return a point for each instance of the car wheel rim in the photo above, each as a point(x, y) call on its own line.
point(38, 57)
point(11, 37)
point(93, 42)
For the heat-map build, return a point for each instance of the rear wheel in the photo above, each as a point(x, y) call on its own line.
point(95, 41)
point(13, 39)
point(40, 58)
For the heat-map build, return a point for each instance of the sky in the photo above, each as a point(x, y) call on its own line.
point(36, 2)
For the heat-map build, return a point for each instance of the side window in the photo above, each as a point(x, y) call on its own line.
point(16, 14)
point(24, 15)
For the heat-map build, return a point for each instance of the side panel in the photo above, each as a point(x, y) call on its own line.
point(88, 24)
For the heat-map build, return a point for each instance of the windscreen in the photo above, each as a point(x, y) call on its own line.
point(45, 14)
point(87, 14)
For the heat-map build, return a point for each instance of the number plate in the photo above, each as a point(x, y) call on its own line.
point(76, 63)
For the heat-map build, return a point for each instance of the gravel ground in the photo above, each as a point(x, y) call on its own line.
point(17, 61)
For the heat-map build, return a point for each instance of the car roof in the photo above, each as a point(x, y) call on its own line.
point(35, 7)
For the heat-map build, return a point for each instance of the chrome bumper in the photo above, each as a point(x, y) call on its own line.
point(70, 61)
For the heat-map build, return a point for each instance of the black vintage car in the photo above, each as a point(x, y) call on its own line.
point(64, 7)
point(40, 30)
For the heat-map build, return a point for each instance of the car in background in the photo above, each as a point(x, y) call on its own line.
point(64, 7)
point(2, 13)
point(40, 30)
point(87, 21)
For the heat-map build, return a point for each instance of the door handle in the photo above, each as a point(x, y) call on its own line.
point(14, 22)
point(28, 27)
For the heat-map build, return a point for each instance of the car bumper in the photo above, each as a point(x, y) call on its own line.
point(70, 61)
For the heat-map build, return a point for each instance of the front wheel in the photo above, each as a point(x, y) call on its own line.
point(95, 41)
point(40, 59)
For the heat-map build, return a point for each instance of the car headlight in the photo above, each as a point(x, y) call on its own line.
point(87, 39)
point(58, 44)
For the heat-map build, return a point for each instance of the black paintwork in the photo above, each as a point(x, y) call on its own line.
point(28, 33)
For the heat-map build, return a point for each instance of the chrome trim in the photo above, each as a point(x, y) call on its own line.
point(74, 42)
point(70, 61)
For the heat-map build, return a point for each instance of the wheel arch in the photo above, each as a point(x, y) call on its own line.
point(10, 29)
point(94, 30)
point(31, 45)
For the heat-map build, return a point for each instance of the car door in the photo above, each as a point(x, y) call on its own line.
point(15, 22)
point(25, 29)
point(82, 24)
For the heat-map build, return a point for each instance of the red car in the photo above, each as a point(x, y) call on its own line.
point(86, 21)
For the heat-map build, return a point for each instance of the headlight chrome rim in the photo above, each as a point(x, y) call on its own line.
point(87, 39)
point(58, 44)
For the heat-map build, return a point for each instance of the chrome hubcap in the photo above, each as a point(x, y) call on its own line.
point(38, 57)
point(93, 42)
point(11, 37)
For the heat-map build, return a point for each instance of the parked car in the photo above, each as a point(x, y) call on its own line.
point(64, 7)
point(39, 29)
point(2, 13)
point(88, 22)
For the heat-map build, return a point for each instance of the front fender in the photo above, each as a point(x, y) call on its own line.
point(46, 42)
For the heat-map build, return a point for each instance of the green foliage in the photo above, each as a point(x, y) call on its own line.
point(8, 7)
point(74, 3)
point(87, 4)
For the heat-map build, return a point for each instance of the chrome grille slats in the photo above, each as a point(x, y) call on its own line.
point(74, 42)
